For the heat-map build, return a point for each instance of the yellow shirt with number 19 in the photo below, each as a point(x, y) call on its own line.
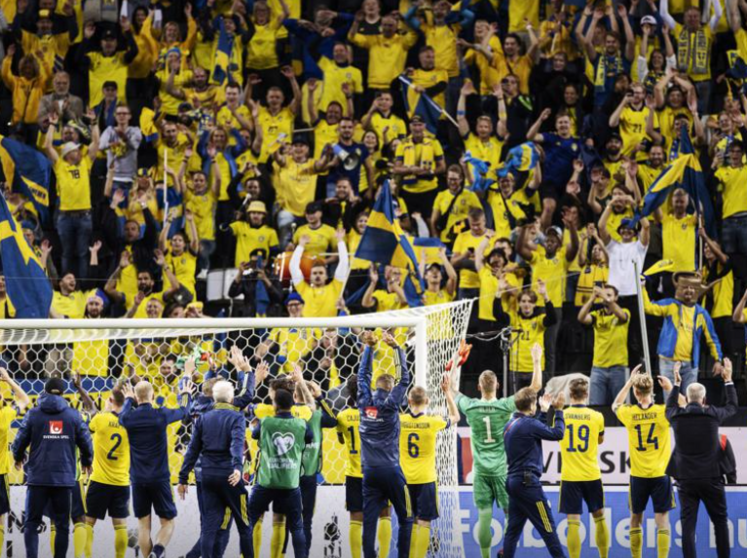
point(580, 444)
point(111, 450)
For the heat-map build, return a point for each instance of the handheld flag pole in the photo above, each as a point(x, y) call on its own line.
point(165, 186)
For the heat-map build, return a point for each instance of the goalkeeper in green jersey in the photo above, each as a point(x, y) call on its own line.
point(487, 418)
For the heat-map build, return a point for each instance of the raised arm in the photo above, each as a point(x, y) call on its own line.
point(584, 314)
point(622, 395)
point(343, 265)
point(665, 16)
point(602, 228)
point(365, 398)
point(295, 261)
point(451, 405)
point(738, 316)
point(536, 351)
point(398, 396)
point(21, 399)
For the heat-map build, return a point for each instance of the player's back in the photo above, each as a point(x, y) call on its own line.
point(649, 439)
point(580, 444)
point(111, 450)
point(348, 423)
point(487, 420)
point(417, 446)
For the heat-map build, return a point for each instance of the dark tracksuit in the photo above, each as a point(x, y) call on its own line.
point(218, 440)
point(202, 405)
point(383, 480)
point(53, 430)
point(149, 457)
point(523, 437)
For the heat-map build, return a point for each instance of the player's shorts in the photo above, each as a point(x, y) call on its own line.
point(107, 498)
point(78, 507)
point(424, 499)
point(659, 489)
point(153, 496)
point(573, 494)
point(488, 489)
point(4, 495)
point(354, 494)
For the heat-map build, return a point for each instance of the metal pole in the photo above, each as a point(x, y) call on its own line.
point(642, 316)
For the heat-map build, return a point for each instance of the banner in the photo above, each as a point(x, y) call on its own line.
point(331, 521)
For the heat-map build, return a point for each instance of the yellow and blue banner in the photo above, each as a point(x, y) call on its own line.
point(26, 282)
point(521, 158)
point(420, 104)
point(28, 172)
point(222, 58)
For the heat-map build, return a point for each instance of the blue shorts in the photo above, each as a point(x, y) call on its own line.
point(107, 498)
point(424, 498)
point(157, 496)
point(659, 489)
point(78, 502)
point(573, 494)
point(353, 494)
point(4, 495)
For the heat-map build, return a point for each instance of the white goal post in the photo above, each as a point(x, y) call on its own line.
point(103, 350)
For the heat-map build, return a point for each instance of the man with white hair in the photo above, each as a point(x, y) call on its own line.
point(696, 457)
point(218, 438)
point(146, 428)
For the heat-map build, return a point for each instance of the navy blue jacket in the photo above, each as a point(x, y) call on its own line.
point(523, 437)
point(379, 428)
point(218, 440)
point(146, 430)
point(53, 430)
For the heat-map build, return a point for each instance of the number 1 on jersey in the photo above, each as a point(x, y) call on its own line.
point(489, 435)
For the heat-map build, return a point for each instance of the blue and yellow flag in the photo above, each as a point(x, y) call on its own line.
point(421, 104)
point(521, 158)
point(28, 172)
point(28, 286)
point(222, 58)
point(383, 240)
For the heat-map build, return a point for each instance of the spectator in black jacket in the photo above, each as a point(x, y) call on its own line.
point(245, 283)
point(697, 455)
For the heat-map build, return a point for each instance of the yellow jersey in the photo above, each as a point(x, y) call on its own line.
point(7, 415)
point(731, 183)
point(320, 302)
point(111, 450)
point(527, 332)
point(348, 423)
point(274, 129)
point(73, 184)
point(467, 242)
point(552, 271)
point(72, 306)
point(679, 240)
point(294, 344)
point(580, 444)
point(295, 184)
point(250, 238)
point(396, 127)
point(322, 239)
point(458, 210)
point(649, 439)
point(610, 339)
point(386, 301)
point(431, 298)
point(417, 446)
point(633, 129)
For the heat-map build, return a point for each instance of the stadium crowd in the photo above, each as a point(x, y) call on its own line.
point(189, 138)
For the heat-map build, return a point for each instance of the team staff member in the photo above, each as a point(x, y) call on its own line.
point(149, 461)
point(523, 440)
point(383, 480)
point(417, 453)
point(218, 440)
point(650, 448)
point(696, 457)
point(109, 489)
point(580, 477)
point(53, 431)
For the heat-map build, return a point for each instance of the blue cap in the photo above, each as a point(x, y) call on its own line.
point(294, 297)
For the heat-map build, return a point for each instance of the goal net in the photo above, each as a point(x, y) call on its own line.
point(103, 352)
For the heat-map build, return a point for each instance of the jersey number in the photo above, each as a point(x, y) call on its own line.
point(583, 439)
point(412, 448)
point(651, 440)
point(75, 173)
point(488, 434)
point(353, 451)
point(117, 440)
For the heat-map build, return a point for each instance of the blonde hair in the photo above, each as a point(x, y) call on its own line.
point(418, 395)
point(643, 384)
point(143, 391)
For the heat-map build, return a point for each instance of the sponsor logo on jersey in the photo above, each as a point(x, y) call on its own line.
point(283, 441)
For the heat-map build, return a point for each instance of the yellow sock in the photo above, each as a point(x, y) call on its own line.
point(385, 536)
point(636, 542)
point(574, 538)
point(414, 540)
point(356, 539)
point(663, 541)
point(120, 541)
point(2, 536)
point(603, 537)
point(79, 539)
point(257, 537)
point(52, 536)
point(89, 541)
point(421, 543)
point(278, 539)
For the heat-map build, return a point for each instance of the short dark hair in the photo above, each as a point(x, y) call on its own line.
point(579, 388)
point(283, 384)
point(524, 399)
point(352, 386)
point(283, 400)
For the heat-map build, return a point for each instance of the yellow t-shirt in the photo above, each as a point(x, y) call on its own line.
point(103, 69)
point(683, 350)
point(294, 344)
point(396, 126)
point(73, 184)
point(111, 450)
point(552, 271)
point(387, 56)
point(488, 288)
point(580, 444)
point(320, 302)
point(424, 154)
point(466, 200)
point(467, 242)
point(679, 240)
point(296, 186)
point(417, 446)
point(169, 103)
point(348, 423)
point(8, 414)
point(72, 306)
point(386, 301)
point(184, 267)
point(633, 128)
point(202, 207)
point(731, 185)
point(723, 295)
point(334, 78)
point(323, 239)
point(261, 51)
point(272, 128)
point(489, 151)
point(527, 332)
point(610, 339)
point(249, 239)
point(649, 439)
point(442, 296)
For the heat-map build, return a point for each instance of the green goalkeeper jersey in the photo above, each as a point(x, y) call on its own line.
point(487, 419)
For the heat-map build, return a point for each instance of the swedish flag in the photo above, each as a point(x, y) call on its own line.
point(522, 158)
point(222, 59)
point(420, 104)
point(28, 286)
point(28, 172)
point(384, 241)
